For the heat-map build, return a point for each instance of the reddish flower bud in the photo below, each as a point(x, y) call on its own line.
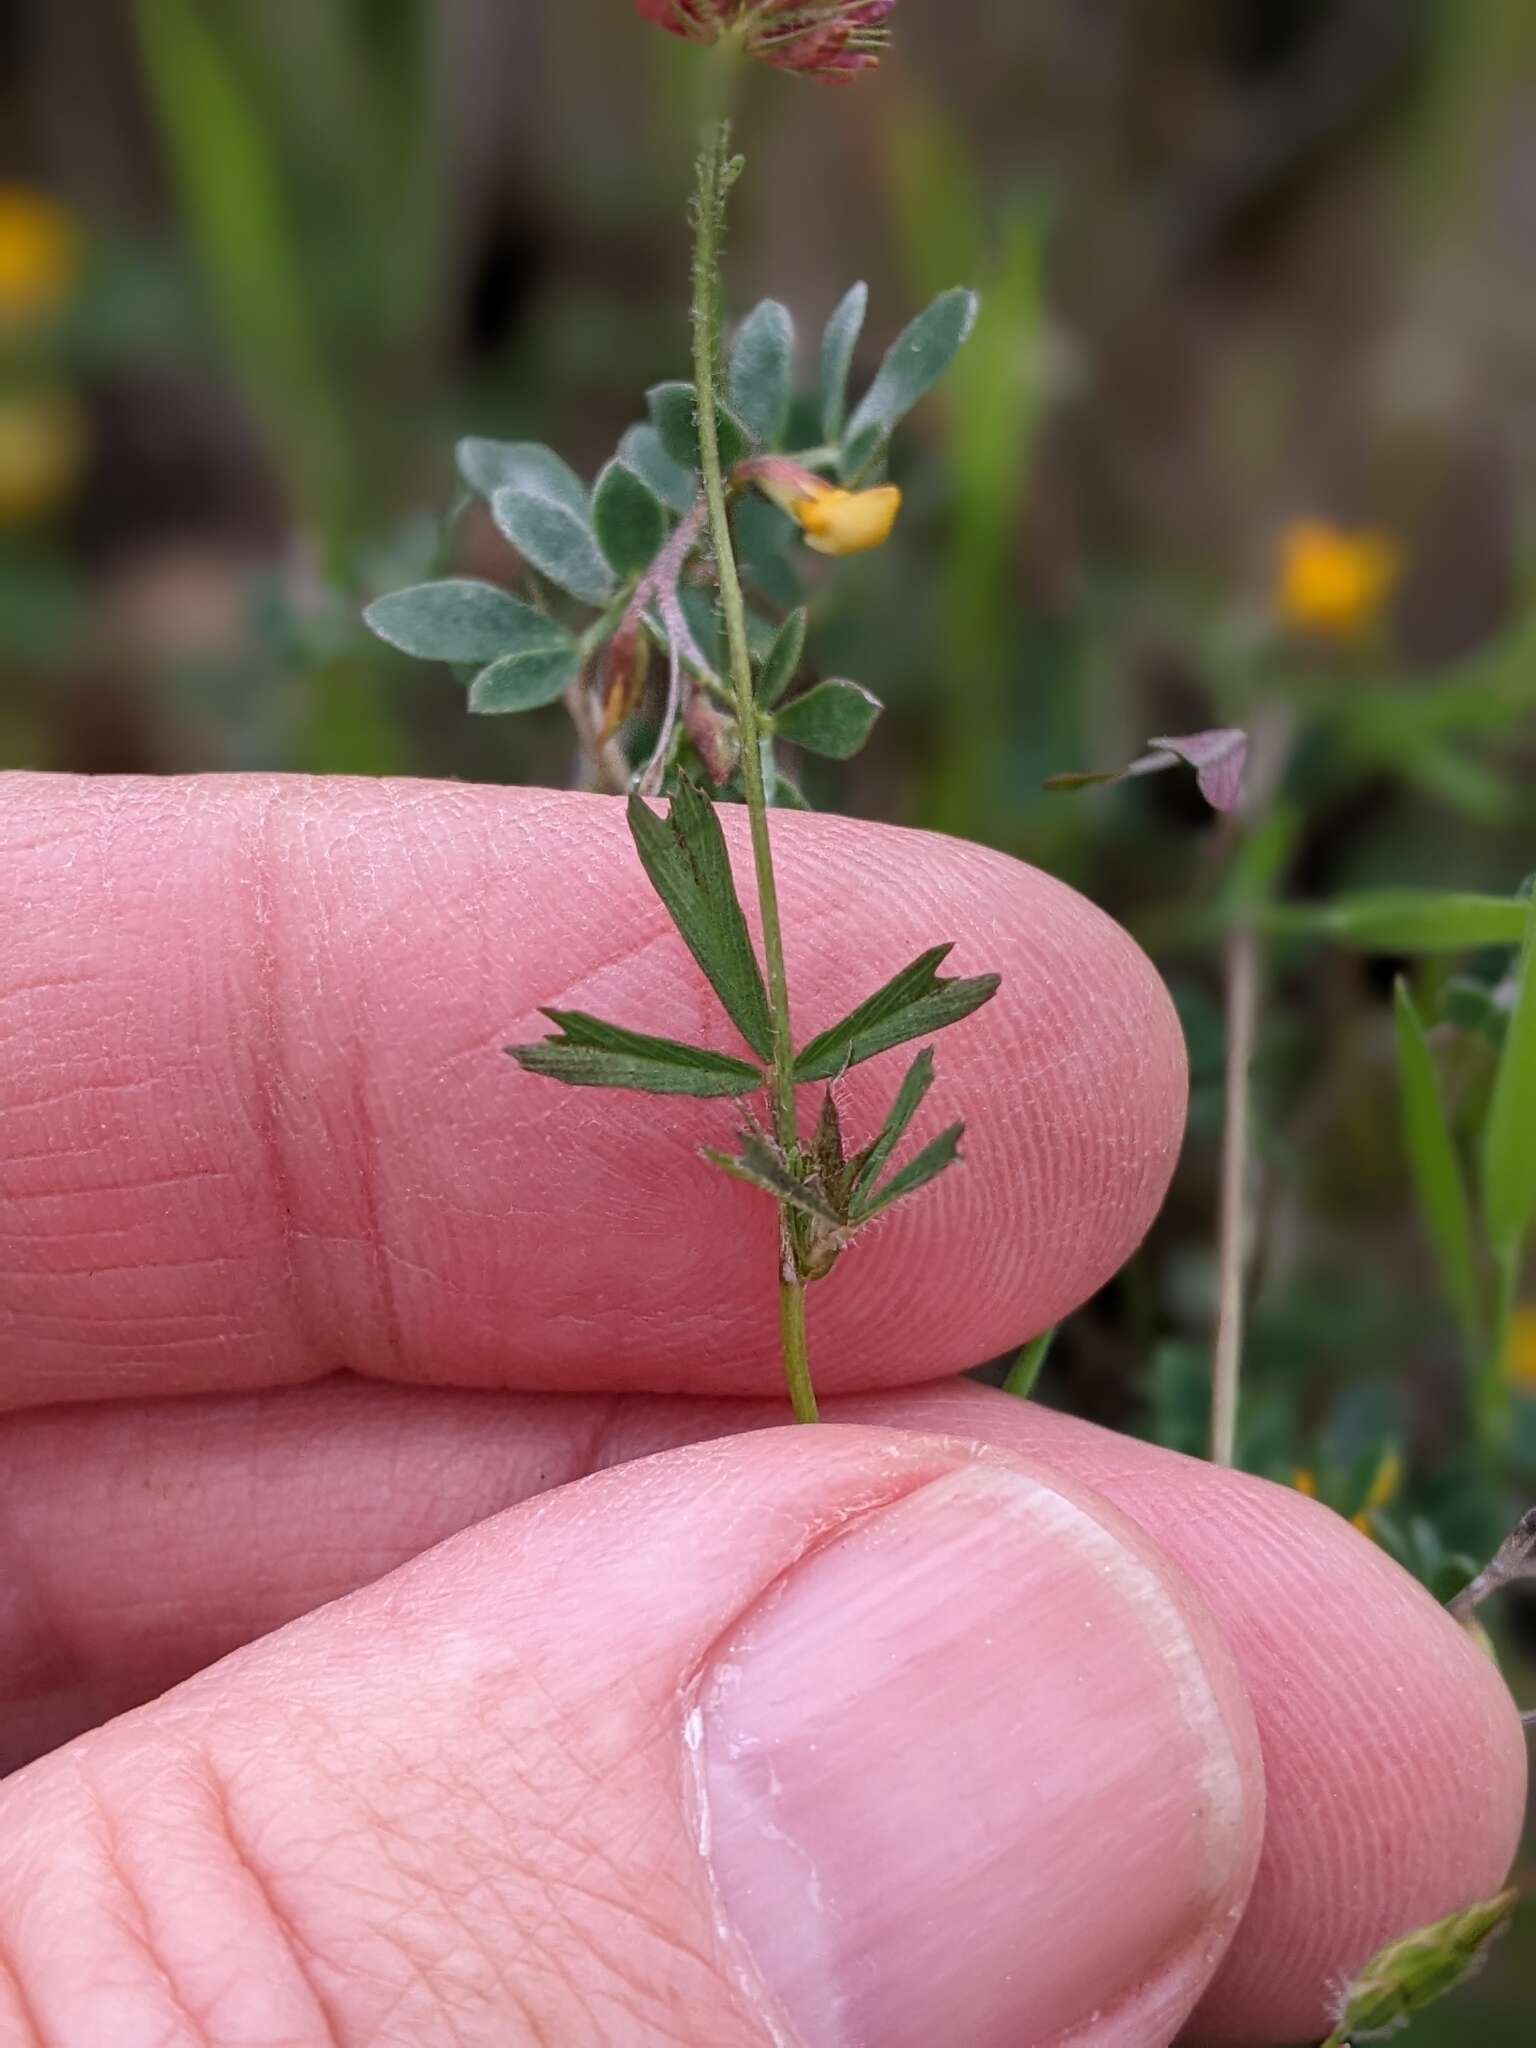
point(625, 667)
point(711, 734)
point(827, 39)
point(700, 20)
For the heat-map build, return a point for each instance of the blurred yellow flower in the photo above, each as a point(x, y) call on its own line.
point(1520, 1350)
point(1333, 584)
point(1305, 1481)
point(42, 450)
point(1383, 1490)
point(39, 258)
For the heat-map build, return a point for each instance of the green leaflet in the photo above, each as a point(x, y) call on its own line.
point(834, 719)
point(928, 1164)
point(675, 416)
point(761, 1168)
point(676, 486)
point(784, 658)
point(557, 541)
point(761, 365)
point(588, 1053)
point(685, 857)
point(838, 343)
point(526, 679)
point(629, 519)
point(913, 364)
point(871, 1163)
point(910, 1005)
point(459, 620)
point(492, 466)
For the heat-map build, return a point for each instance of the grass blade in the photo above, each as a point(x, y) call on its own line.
point(1509, 1137)
point(1437, 1175)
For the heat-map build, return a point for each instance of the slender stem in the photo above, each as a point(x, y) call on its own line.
point(716, 175)
point(1026, 1368)
point(797, 1364)
point(1242, 1008)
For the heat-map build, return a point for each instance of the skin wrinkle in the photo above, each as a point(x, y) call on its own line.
point(288, 1935)
point(22, 2010)
point(136, 1921)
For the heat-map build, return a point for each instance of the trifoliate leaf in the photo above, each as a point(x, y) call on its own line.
point(459, 620)
point(676, 486)
point(760, 370)
point(586, 1052)
point(784, 658)
point(914, 363)
point(1218, 759)
point(871, 1163)
point(910, 1005)
point(685, 857)
point(1413, 1972)
point(926, 1166)
point(837, 346)
point(492, 466)
point(834, 719)
point(674, 414)
point(557, 541)
point(629, 519)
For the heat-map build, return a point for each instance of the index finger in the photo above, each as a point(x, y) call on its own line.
point(256, 1126)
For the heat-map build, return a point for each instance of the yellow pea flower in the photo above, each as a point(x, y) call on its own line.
point(39, 258)
point(1520, 1350)
point(42, 449)
point(834, 521)
point(1332, 584)
point(837, 522)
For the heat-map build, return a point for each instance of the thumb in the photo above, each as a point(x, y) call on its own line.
point(830, 1737)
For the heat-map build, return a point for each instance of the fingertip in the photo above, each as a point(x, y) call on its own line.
point(291, 1142)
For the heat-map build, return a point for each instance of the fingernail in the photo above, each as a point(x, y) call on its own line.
point(972, 1773)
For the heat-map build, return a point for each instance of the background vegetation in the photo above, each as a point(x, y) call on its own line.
point(1247, 262)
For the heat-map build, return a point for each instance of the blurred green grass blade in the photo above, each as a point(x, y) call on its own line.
point(1509, 1137)
point(1406, 920)
point(1436, 1170)
point(991, 402)
point(1027, 1367)
point(229, 185)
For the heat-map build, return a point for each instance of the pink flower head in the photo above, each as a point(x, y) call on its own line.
point(832, 40)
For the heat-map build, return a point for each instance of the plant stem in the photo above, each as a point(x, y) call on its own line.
point(1026, 1368)
point(716, 175)
point(1242, 1008)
